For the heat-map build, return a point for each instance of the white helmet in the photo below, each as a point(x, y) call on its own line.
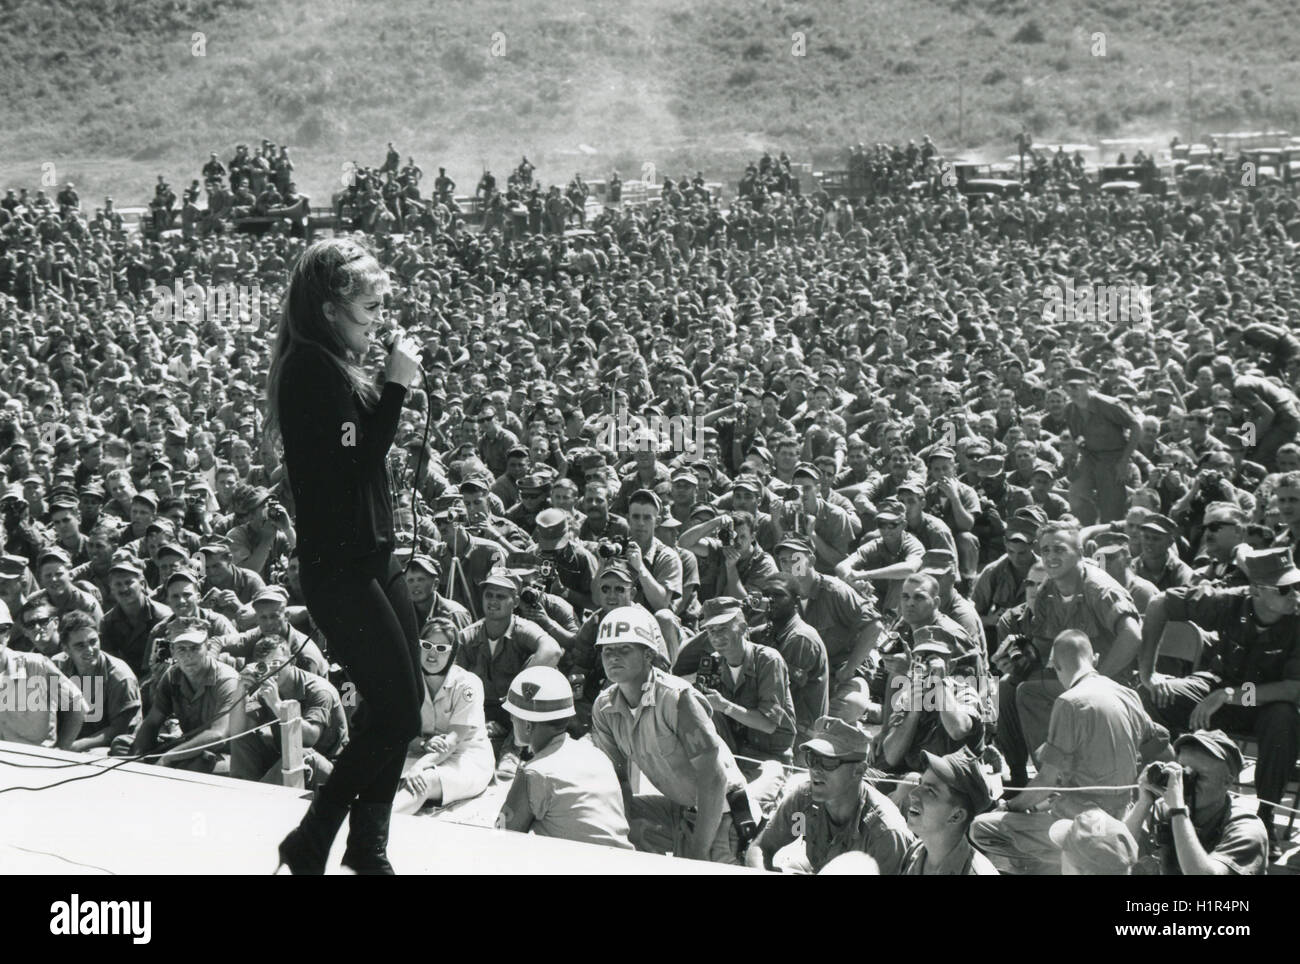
point(540, 694)
point(632, 624)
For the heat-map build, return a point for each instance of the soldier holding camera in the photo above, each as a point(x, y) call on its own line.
point(263, 533)
point(1185, 819)
point(1098, 736)
point(1251, 679)
point(572, 567)
point(729, 553)
point(255, 756)
point(748, 687)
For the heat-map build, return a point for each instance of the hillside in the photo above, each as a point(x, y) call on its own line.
point(112, 93)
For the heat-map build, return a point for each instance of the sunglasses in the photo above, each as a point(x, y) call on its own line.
point(39, 621)
point(439, 648)
point(827, 764)
point(1216, 526)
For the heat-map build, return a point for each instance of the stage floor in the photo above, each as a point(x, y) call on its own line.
point(142, 819)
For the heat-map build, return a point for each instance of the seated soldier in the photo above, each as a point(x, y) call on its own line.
point(1098, 737)
point(29, 711)
point(271, 607)
point(568, 788)
point(748, 687)
point(950, 794)
point(269, 679)
point(836, 809)
point(931, 710)
point(199, 690)
point(1187, 823)
point(111, 691)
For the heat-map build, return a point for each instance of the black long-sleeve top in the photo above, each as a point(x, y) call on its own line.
point(335, 452)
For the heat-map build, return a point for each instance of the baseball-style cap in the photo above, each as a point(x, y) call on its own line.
point(684, 474)
point(425, 564)
point(795, 544)
point(1023, 530)
point(471, 484)
point(722, 611)
point(747, 482)
point(808, 471)
point(961, 771)
point(890, 510)
point(832, 737)
point(1271, 567)
point(618, 569)
point(147, 497)
point(1078, 375)
point(190, 631)
point(272, 594)
point(910, 485)
point(128, 567)
point(173, 549)
point(934, 639)
point(938, 562)
point(182, 575)
point(1161, 523)
point(12, 567)
point(1096, 843)
point(535, 482)
point(1216, 743)
point(551, 528)
point(52, 554)
point(940, 452)
point(502, 578)
point(1224, 512)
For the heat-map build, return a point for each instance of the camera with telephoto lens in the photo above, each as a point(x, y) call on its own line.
point(615, 547)
point(531, 596)
point(709, 674)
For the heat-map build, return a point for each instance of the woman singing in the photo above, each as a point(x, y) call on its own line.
point(336, 427)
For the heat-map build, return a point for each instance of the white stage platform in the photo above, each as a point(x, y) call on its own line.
point(142, 819)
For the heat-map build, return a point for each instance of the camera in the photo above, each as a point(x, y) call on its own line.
point(727, 533)
point(531, 596)
point(614, 547)
point(1158, 775)
point(163, 651)
point(545, 571)
point(709, 675)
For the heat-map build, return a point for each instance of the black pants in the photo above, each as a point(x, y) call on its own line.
point(364, 610)
point(1275, 726)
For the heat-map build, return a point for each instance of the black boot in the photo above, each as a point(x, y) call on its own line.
point(307, 847)
point(367, 851)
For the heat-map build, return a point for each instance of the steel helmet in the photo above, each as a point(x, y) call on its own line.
point(540, 694)
point(633, 624)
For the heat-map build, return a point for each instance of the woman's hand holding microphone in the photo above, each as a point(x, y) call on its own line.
point(403, 365)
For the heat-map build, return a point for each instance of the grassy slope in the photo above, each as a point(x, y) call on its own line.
point(109, 90)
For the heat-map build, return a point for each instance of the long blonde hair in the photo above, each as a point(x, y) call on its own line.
point(333, 271)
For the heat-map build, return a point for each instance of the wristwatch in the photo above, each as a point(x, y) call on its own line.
point(1177, 812)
